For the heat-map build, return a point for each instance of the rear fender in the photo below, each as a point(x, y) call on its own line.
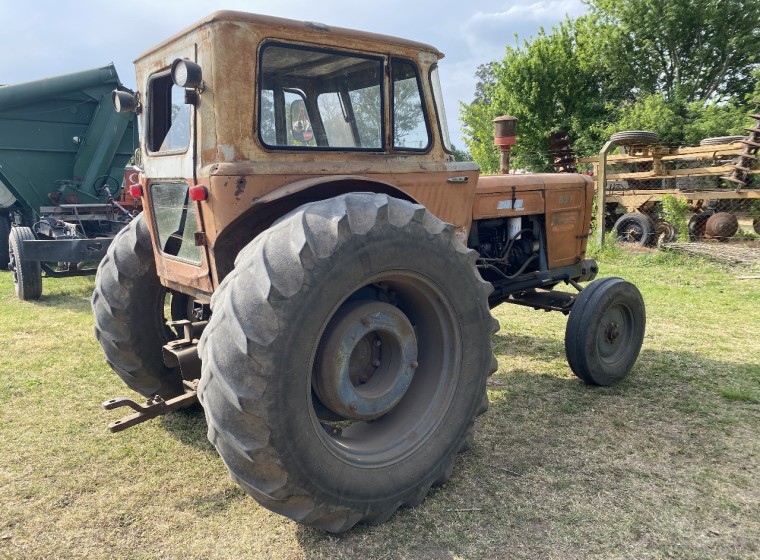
point(269, 208)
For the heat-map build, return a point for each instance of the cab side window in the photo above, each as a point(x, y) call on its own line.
point(410, 126)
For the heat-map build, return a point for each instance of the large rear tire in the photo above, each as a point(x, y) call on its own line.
point(129, 308)
point(365, 309)
point(27, 275)
point(605, 331)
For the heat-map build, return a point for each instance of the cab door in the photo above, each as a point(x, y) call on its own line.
point(170, 124)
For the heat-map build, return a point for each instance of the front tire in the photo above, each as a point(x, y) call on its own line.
point(605, 331)
point(346, 360)
point(130, 324)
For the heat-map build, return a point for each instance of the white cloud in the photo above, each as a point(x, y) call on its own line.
point(46, 38)
point(489, 32)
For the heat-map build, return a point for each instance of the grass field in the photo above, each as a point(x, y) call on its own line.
point(664, 465)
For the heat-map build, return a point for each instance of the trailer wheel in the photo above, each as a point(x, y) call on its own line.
point(129, 308)
point(718, 140)
point(634, 138)
point(605, 331)
point(363, 308)
point(27, 275)
point(665, 232)
point(634, 228)
point(5, 239)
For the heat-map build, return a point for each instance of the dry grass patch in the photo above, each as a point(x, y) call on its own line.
point(662, 465)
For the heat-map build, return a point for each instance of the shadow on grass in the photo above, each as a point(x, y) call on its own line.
point(551, 449)
point(188, 425)
point(507, 344)
point(560, 468)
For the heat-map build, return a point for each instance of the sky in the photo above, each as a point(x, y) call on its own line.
point(47, 38)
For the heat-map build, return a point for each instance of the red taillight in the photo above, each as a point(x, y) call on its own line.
point(198, 193)
point(136, 190)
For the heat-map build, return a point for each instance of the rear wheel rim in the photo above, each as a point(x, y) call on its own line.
point(410, 420)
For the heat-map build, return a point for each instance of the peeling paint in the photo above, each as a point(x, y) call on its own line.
point(227, 152)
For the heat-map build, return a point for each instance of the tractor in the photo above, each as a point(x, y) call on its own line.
point(314, 267)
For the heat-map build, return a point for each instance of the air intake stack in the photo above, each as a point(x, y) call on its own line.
point(504, 136)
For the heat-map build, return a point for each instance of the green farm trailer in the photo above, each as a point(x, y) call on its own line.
point(63, 152)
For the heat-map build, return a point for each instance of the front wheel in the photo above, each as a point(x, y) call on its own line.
point(346, 360)
point(605, 331)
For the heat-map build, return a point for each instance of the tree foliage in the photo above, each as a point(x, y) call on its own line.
point(682, 68)
point(691, 50)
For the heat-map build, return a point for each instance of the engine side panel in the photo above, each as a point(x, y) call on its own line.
point(564, 198)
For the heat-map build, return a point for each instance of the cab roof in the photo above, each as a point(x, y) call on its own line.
point(294, 27)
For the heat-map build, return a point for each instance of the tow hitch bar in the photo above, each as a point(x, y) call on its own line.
point(156, 406)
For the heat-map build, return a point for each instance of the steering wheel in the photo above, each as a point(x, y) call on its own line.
point(100, 188)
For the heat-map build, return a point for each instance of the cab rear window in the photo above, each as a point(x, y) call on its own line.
point(320, 99)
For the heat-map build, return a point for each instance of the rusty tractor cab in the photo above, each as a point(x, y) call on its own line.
point(315, 268)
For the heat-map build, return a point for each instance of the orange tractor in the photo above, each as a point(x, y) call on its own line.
point(314, 267)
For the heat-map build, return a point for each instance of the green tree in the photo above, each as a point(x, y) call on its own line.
point(555, 82)
point(460, 155)
point(682, 68)
point(692, 50)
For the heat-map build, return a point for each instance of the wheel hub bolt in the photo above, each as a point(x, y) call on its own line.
point(612, 332)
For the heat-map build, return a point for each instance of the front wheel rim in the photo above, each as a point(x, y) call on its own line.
point(614, 334)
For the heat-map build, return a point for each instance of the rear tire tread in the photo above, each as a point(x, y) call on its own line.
point(125, 323)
